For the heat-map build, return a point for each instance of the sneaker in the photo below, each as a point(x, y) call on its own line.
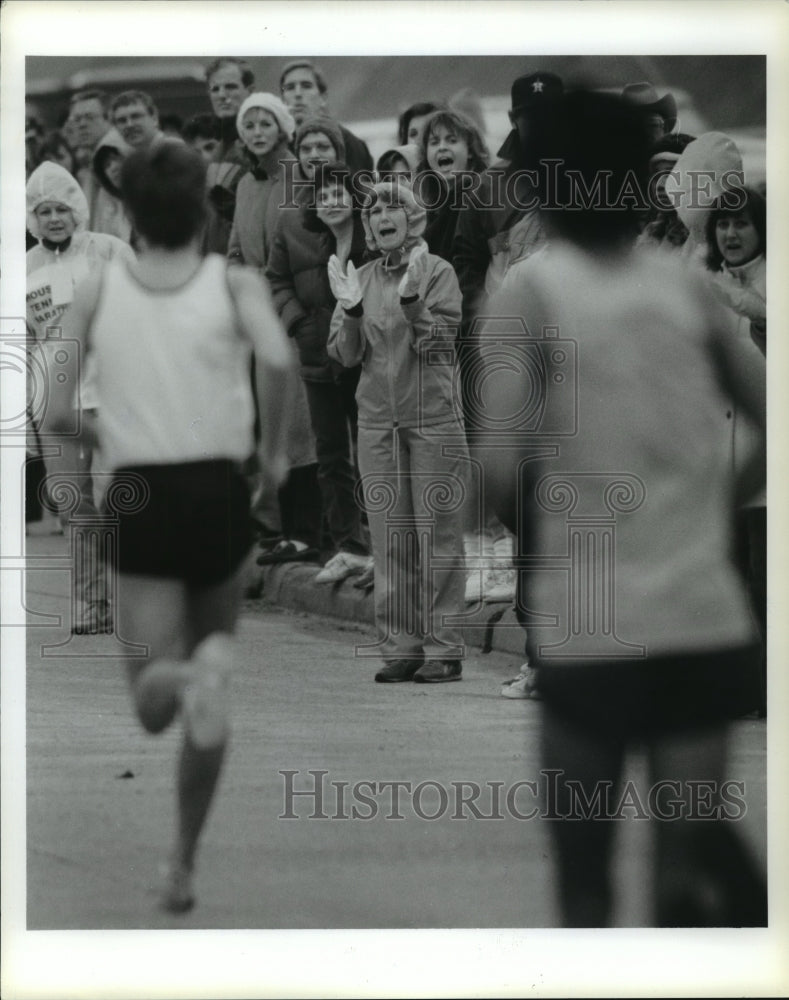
point(473, 593)
point(92, 618)
point(438, 671)
point(178, 896)
point(343, 565)
point(499, 586)
point(205, 697)
point(397, 671)
point(523, 686)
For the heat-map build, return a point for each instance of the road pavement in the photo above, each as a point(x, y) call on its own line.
point(100, 808)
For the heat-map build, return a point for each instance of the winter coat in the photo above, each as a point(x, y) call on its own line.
point(258, 197)
point(400, 385)
point(499, 225)
point(106, 207)
point(300, 289)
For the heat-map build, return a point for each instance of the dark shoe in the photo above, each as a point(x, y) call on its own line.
point(398, 670)
point(438, 671)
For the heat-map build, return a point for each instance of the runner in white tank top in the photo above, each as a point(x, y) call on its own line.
point(172, 337)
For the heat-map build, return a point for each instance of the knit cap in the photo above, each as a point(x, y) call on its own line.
point(51, 182)
point(274, 106)
point(329, 127)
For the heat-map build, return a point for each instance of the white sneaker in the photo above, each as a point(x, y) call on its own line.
point(500, 583)
point(343, 565)
point(499, 586)
point(473, 593)
point(523, 686)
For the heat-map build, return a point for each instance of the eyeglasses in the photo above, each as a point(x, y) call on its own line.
point(92, 116)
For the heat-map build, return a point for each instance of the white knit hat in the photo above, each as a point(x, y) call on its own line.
point(274, 106)
point(51, 182)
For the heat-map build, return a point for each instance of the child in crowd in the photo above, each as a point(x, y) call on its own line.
point(172, 336)
point(57, 215)
point(386, 316)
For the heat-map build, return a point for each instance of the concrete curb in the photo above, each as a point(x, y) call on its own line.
point(291, 585)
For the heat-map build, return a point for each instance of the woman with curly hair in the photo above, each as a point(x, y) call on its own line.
point(450, 146)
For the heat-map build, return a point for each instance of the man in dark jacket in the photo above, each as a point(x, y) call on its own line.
point(230, 81)
point(303, 89)
point(500, 223)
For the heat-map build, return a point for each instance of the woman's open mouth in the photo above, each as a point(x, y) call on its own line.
point(444, 161)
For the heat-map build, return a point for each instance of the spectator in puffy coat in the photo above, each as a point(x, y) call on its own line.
point(57, 215)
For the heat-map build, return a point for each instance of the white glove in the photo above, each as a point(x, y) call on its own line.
point(345, 287)
point(411, 281)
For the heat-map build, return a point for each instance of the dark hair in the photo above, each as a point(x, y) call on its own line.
point(202, 127)
point(133, 97)
point(320, 79)
point(247, 76)
point(753, 205)
point(100, 158)
point(417, 110)
point(595, 193)
point(92, 95)
point(173, 122)
point(53, 144)
point(163, 189)
point(478, 154)
point(328, 175)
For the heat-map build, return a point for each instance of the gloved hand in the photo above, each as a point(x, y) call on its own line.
point(411, 281)
point(345, 287)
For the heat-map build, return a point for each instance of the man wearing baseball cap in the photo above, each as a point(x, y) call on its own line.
point(494, 228)
point(498, 225)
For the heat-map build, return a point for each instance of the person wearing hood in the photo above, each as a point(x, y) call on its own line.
point(388, 314)
point(107, 214)
point(399, 160)
point(708, 168)
point(67, 252)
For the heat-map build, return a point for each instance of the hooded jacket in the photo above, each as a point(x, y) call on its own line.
point(401, 385)
point(708, 167)
point(106, 208)
point(53, 274)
